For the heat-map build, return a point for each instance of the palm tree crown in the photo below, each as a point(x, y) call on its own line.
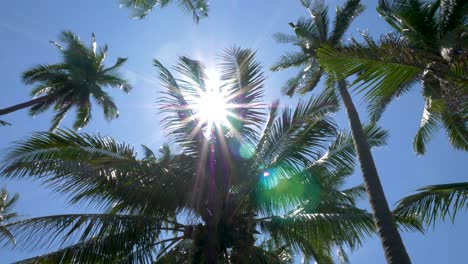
point(310, 34)
point(248, 189)
point(73, 82)
point(429, 47)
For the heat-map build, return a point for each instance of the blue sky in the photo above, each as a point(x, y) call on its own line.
point(27, 26)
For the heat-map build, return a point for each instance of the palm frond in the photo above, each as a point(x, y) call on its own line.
point(7, 215)
point(308, 34)
point(319, 13)
point(415, 19)
point(299, 135)
point(290, 60)
point(456, 126)
point(344, 17)
point(340, 158)
point(305, 230)
point(382, 68)
point(429, 125)
point(179, 122)
point(452, 15)
point(244, 82)
point(41, 73)
point(83, 114)
point(198, 8)
point(105, 100)
point(101, 238)
point(141, 8)
point(286, 38)
point(435, 202)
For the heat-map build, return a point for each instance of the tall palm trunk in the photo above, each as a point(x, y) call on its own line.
point(395, 251)
point(24, 105)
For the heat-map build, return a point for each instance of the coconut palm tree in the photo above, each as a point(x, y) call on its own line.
point(238, 181)
point(71, 83)
point(428, 47)
point(310, 34)
point(140, 8)
point(6, 214)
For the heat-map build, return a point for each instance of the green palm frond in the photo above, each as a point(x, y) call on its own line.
point(83, 113)
point(141, 8)
point(244, 80)
point(319, 14)
point(296, 136)
point(98, 237)
point(382, 67)
point(415, 18)
point(340, 158)
point(456, 126)
point(430, 122)
point(308, 34)
point(290, 60)
point(344, 17)
point(198, 8)
point(44, 73)
point(286, 38)
point(7, 215)
point(194, 72)
point(102, 171)
point(179, 122)
point(307, 231)
point(452, 15)
point(435, 202)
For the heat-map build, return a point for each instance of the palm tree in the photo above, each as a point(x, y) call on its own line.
point(428, 47)
point(7, 215)
point(310, 34)
point(73, 82)
point(140, 8)
point(231, 189)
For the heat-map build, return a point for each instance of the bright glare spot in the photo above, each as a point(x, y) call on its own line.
point(266, 174)
point(212, 107)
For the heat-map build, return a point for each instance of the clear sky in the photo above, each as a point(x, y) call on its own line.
point(26, 27)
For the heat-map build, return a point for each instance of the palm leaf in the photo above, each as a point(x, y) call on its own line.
point(435, 202)
point(429, 125)
point(298, 135)
point(244, 83)
point(141, 8)
point(344, 17)
point(108, 238)
point(179, 122)
point(381, 68)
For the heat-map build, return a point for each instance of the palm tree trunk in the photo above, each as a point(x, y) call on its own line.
point(24, 105)
point(395, 251)
point(212, 223)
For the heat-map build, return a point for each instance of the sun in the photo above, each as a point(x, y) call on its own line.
point(211, 107)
